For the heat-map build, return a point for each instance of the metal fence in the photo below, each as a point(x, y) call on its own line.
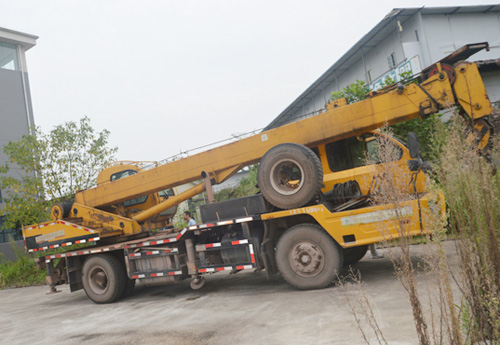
point(6, 234)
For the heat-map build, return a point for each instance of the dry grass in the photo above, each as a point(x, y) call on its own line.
point(462, 307)
point(472, 191)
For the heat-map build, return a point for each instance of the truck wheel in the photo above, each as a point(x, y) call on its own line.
point(290, 175)
point(198, 283)
point(129, 286)
point(354, 254)
point(307, 257)
point(103, 278)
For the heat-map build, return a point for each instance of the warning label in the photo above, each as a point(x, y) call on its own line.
point(377, 216)
point(50, 237)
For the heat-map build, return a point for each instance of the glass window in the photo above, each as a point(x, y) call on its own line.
point(345, 154)
point(372, 150)
point(391, 60)
point(350, 153)
point(166, 193)
point(8, 56)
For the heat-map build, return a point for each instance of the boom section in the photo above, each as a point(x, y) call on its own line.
point(402, 103)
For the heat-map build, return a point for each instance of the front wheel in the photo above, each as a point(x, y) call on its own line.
point(104, 278)
point(307, 257)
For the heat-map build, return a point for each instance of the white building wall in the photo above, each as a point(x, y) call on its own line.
point(424, 39)
point(16, 113)
point(446, 33)
point(376, 59)
point(414, 41)
point(492, 82)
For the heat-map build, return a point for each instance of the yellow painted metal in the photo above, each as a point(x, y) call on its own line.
point(334, 124)
point(366, 174)
point(471, 92)
point(170, 202)
point(133, 207)
point(371, 224)
point(106, 223)
point(57, 231)
point(224, 174)
point(336, 103)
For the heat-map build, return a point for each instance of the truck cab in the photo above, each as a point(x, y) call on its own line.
point(354, 161)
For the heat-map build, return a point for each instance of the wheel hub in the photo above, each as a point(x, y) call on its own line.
point(307, 259)
point(98, 280)
point(287, 177)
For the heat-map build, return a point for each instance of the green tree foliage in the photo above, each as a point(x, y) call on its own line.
point(425, 132)
point(423, 128)
point(50, 166)
point(355, 92)
point(246, 187)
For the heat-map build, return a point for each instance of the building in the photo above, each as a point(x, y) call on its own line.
point(16, 111)
point(406, 40)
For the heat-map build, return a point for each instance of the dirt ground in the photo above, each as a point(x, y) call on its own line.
point(244, 308)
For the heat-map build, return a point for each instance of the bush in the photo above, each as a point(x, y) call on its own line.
point(20, 273)
point(247, 187)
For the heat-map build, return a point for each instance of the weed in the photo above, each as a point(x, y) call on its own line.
point(22, 272)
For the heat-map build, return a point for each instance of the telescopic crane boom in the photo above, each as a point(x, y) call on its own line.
point(440, 87)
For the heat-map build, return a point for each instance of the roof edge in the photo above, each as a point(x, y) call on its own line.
point(12, 36)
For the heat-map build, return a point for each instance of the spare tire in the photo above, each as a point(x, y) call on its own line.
point(290, 175)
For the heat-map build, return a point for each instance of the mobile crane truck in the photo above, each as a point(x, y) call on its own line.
point(311, 217)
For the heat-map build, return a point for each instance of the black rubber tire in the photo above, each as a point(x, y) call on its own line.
point(294, 260)
point(129, 287)
point(354, 254)
point(298, 158)
point(104, 278)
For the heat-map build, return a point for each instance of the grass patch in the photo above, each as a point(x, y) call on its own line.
point(20, 273)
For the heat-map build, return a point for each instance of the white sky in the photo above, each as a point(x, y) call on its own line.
point(165, 76)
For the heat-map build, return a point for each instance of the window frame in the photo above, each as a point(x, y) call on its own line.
point(330, 157)
point(15, 60)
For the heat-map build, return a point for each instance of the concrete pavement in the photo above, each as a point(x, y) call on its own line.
point(245, 308)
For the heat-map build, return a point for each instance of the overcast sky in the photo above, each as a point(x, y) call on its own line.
point(168, 76)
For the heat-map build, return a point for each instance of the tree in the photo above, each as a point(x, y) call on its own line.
point(246, 187)
point(50, 167)
point(354, 92)
point(424, 129)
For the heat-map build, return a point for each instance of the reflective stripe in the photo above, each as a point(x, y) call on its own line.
point(226, 222)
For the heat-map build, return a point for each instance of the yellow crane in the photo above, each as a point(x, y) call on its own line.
point(299, 167)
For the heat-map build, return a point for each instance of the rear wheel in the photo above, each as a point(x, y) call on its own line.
point(307, 257)
point(290, 175)
point(104, 278)
point(354, 254)
point(129, 286)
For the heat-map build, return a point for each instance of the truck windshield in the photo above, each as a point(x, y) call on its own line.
point(352, 153)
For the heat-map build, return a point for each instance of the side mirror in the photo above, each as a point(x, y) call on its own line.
point(413, 145)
